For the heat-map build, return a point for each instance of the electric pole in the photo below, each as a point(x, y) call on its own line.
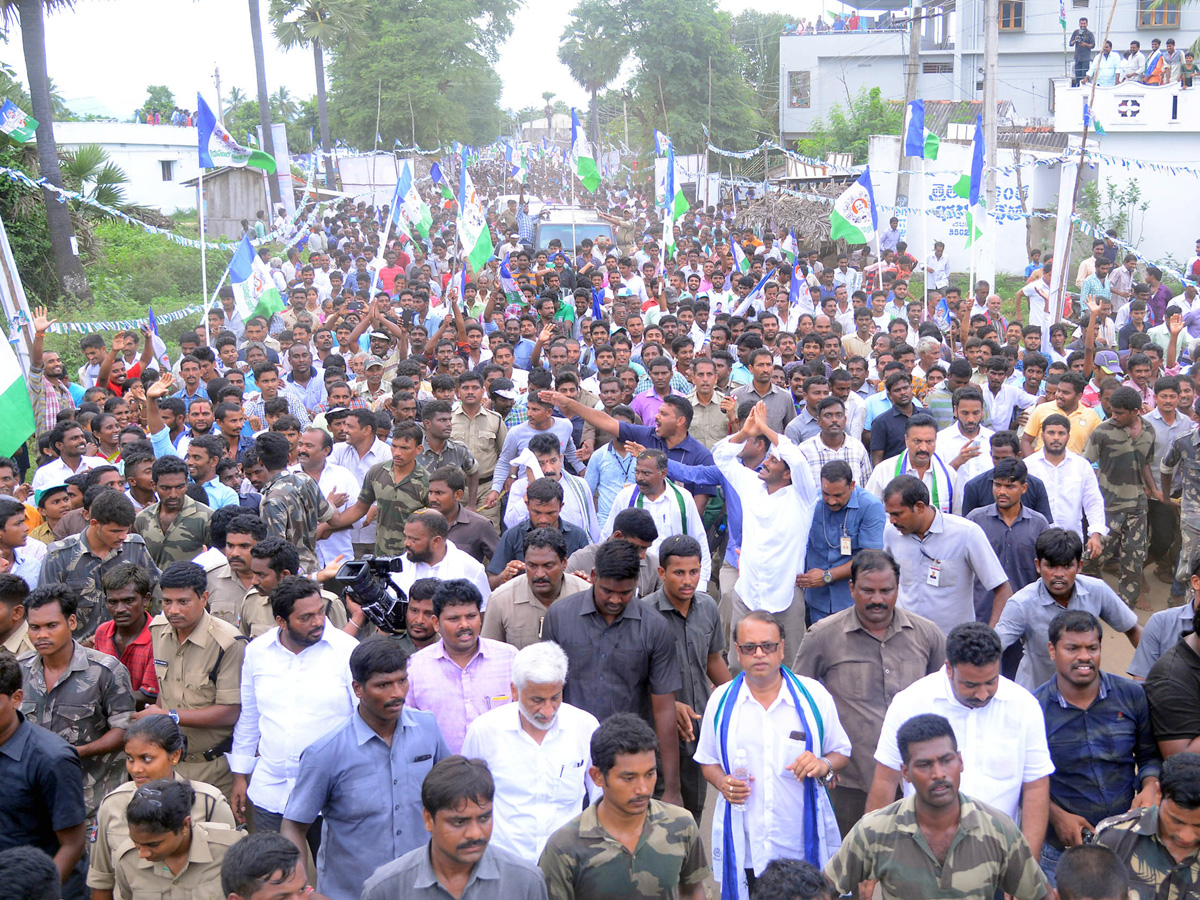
point(220, 104)
point(911, 70)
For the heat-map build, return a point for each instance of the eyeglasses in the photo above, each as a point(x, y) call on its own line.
point(767, 647)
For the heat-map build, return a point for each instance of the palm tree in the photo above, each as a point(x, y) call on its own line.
point(318, 24)
point(593, 58)
point(236, 98)
point(283, 105)
point(67, 265)
point(88, 171)
point(264, 102)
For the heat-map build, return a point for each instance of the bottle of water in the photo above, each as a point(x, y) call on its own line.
point(741, 771)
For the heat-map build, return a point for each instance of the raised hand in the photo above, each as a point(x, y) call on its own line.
point(160, 388)
point(41, 322)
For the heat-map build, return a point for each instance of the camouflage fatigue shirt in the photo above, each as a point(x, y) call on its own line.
point(1119, 459)
point(292, 508)
point(1154, 874)
point(988, 854)
point(1186, 452)
point(185, 537)
point(581, 859)
point(92, 697)
point(396, 503)
point(455, 453)
point(72, 561)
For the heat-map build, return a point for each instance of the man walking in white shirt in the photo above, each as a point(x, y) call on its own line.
point(673, 507)
point(777, 510)
point(338, 485)
point(1071, 484)
point(296, 688)
point(538, 750)
point(999, 726)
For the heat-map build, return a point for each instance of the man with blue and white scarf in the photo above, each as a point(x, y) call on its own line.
point(794, 745)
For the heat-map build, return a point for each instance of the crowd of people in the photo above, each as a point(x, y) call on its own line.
point(826, 557)
point(1164, 64)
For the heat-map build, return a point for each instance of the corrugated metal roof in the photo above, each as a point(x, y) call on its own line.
point(940, 113)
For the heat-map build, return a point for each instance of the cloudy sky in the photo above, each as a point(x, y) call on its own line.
point(102, 55)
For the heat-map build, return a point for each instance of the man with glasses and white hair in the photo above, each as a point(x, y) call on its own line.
point(538, 750)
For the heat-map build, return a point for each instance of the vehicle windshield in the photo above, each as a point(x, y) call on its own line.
point(571, 235)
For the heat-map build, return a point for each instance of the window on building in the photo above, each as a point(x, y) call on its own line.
point(1012, 15)
point(1080, 4)
point(799, 90)
point(937, 68)
point(168, 169)
point(1158, 13)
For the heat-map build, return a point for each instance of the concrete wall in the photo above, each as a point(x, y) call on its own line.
point(140, 151)
point(840, 64)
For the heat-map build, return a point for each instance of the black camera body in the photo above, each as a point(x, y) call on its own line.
point(368, 582)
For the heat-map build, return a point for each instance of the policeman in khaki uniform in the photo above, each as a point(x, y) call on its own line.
point(271, 559)
point(198, 660)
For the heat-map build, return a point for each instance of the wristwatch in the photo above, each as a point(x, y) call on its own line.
point(827, 779)
point(827, 577)
point(174, 716)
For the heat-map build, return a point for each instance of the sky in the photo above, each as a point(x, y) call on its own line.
point(180, 42)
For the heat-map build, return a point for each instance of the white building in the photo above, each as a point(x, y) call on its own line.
point(157, 159)
point(820, 70)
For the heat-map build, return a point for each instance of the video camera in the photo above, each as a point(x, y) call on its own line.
point(368, 582)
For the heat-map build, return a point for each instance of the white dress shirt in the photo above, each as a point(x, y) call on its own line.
point(344, 455)
point(940, 277)
point(1073, 490)
point(774, 526)
point(27, 562)
point(856, 415)
point(1001, 404)
point(851, 278)
point(1003, 744)
point(773, 814)
point(950, 442)
point(289, 700)
point(666, 514)
point(539, 787)
point(56, 471)
point(337, 479)
point(455, 564)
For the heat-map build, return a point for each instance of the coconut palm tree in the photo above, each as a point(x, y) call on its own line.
point(264, 102)
point(87, 170)
point(31, 15)
point(236, 97)
point(318, 24)
point(593, 58)
point(283, 105)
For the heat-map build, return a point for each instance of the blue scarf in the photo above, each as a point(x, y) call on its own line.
point(812, 840)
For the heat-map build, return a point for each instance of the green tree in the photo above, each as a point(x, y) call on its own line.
point(849, 130)
point(159, 99)
point(283, 105)
point(456, 98)
point(235, 96)
point(318, 24)
point(88, 170)
point(593, 59)
point(757, 36)
point(675, 42)
point(31, 14)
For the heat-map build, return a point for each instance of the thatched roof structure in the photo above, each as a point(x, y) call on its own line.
point(782, 212)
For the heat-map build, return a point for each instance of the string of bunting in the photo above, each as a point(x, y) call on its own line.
point(20, 320)
point(1085, 227)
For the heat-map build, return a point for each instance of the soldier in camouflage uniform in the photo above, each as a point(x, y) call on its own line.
point(585, 858)
point(81, 560)
point(292, 504)
point(176, 528)
point(1121, 448)
point(399, 488)
point(907, 847)
point(90, 700)
point(1184, 452)
point(440, 449)
point(1160, 844)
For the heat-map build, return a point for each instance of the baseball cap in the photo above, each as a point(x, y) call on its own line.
point(382, 335)
point(372, 362)
point(503, 387)
point(1108, 362)
point(47, 491)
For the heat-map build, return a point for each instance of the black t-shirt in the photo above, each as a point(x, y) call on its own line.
point(1173, 689)
point(41, 788)
point(1079, 35)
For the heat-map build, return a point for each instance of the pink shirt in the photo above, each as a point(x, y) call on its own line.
point(457, 697)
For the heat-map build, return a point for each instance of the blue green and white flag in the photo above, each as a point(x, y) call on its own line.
point(581, 153)
point(218, 148)
point(854, 215)
point(254, 291)
point(472, 226)
point(16, 409)
point(919, 141)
